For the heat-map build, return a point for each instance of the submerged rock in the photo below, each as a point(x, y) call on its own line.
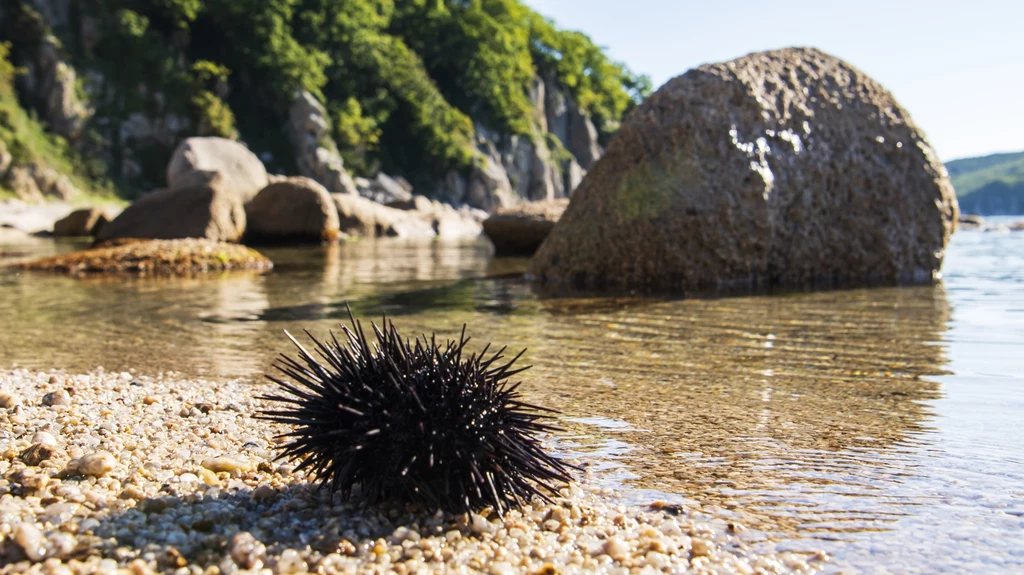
point(296, 209)
point(243, 173)
point(782, 168)
point(521, 230)
point(154, 257)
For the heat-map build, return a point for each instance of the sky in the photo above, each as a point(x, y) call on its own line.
point(957, 67)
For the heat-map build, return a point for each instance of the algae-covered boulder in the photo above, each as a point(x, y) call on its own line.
point(295, 209)
point(520, 230)
point(784, 168)
point(243, 173)
point(154, 257)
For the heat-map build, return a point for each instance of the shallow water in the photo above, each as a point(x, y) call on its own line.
point(881, 426)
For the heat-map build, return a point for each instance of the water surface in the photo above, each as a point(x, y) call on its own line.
point(882, 426)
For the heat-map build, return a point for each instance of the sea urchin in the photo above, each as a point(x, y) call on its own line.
point(413, 421)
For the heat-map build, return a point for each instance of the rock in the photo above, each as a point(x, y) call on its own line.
point(246, 551)
point(783, 168)
point(1017, 226)
point(315, 151)
point(82, 222)
point(970, 222)
point(520, 230)
point(384, 190)
point(243, 173)
point(6, 159)
point(222, 464)
point(64, 112)
point(60, 397)
point(206, 211)
point(53, 184)
point(362, 217)
point(570, 125)
point(38, 453)
point(8, 401)
point(95, 464)
point(21, 182)
point(162, 257)
point(44, 438)
point(296, 209)
point(31, 540)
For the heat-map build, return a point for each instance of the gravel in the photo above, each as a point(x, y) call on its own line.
point(162, 474)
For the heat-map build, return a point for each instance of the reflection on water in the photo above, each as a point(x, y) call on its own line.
point(830, 420)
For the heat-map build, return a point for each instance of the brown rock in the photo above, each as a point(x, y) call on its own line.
point(83, 222)
point(243, 172)
point(297, 209)
point(970, 222)
point(21, 182)
point(782, 168)
point(38, 453)
point(205, 211)
point(521, 229)
point(362, 217)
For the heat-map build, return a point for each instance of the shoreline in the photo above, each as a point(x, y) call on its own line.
point(140, 474)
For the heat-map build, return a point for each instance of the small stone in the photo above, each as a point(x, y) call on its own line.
point(290, 562)
point(246, 551)
point(263, 493)
point(38, 453)
point(61, 397)
point(616, 548)
point(95, 464)
point(44, 438)
point(222, 464)
point(8, 401)
point(699, 548)
point(150, 400)
point(132, 492)
point(209, 477)
point(31, 540)
point(480, 525)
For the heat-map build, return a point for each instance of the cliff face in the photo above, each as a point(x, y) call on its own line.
point(333, 90)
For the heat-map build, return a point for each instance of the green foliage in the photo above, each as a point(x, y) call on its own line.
point(29, 143)
point(403, 81)
point(971, 174)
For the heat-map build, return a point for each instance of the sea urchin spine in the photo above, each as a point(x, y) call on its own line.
point(413, 421)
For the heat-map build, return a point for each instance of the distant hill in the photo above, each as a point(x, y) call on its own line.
point(989, 185)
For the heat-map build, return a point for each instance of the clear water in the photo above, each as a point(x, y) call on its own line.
point(881, 426)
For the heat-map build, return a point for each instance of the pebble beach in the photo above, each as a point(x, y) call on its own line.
point(124, 473)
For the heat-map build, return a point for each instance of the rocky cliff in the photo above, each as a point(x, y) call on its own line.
point(335, 91)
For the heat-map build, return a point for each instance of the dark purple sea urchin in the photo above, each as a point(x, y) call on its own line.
point(413, 421)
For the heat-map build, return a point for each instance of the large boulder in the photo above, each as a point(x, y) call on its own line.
point(242, 171)
point(783, 168)
point(296, 209)
point(82, 222)
point(521, 229)
point(211, 211)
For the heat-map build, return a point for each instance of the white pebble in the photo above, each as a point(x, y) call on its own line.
point(31, 540)
point(95, 464)
point(44, 438)
point(219, 464)
point(290, 562)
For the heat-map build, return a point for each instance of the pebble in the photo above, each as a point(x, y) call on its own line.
point(246, 551)
point(44, 438)
point(38, 453)
point(31, 541)
point(8, 401)
point(161, 512)
point(95, 464)
point(222, 464)
point(61, 397)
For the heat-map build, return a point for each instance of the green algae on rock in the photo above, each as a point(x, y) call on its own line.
point(154, 257)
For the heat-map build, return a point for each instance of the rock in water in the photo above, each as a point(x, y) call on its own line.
point(207, 211)
point(243, 173)
point(296, 209)
point(82, 222)
point(521, 229)
point(787, 168)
